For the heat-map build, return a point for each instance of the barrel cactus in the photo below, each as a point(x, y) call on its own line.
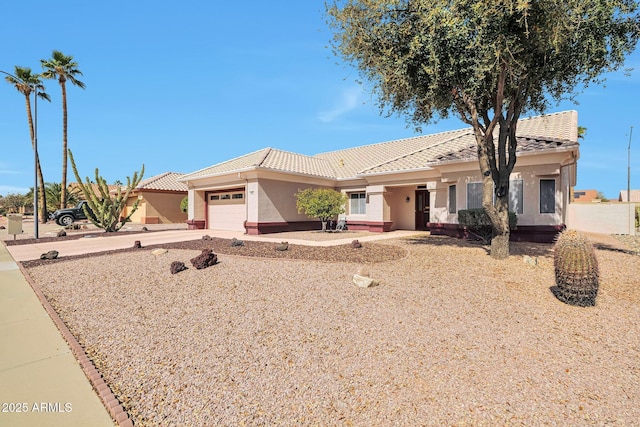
point(576, 269)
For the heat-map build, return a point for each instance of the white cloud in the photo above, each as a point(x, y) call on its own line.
point(350, 99)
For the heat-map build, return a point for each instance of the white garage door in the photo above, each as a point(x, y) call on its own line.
point(227, 211)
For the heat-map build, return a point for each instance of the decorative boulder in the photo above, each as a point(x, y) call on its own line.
point(236, 242)
point(49, 255)
point(283, 246)
point(206, 259)
point(364, 281)
point(206, 237)
point(177, 267)
point(356, 244)
point(61, 233)
point(145, 229)
point(159, 251)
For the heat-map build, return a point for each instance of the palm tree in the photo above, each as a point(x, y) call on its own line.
point(53, 190)
point(63, 68)
point(25, 83)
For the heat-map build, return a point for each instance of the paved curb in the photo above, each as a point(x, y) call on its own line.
point(106, 396)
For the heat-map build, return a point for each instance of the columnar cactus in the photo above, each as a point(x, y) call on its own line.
point(105, 209)
point(576, 269)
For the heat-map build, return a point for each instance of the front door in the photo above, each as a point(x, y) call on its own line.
point(422, 209)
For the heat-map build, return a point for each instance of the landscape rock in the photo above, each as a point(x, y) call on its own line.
point(49, 255)
point(236, 242)
point(206, 259)
point(283, 246)
point(145, 229)
point(159, 251)
point(61, 233)
point(137, 244)
point(363, 270)
point(364, 281)
point(2, 227)
point(356, 244)
point(177, 267)
point(530, 260)
point(206, 237)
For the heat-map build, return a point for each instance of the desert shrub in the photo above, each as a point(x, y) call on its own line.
point(478, 223)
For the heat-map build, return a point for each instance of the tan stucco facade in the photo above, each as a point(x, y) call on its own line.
point(157, 207)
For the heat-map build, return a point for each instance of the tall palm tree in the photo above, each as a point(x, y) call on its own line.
point(63, 68)
point(25, 83)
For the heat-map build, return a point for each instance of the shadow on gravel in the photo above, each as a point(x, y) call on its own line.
point(515, 248)
point(604, 247)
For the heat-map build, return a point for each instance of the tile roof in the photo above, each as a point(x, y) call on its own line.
point(635, 196)
point(547, 132)
point(167, 181)
point(268, 158)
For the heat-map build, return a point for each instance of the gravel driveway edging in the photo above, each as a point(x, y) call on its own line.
point(106, 396)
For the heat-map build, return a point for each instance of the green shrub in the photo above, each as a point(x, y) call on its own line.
point(478, 223)
point(184, 204)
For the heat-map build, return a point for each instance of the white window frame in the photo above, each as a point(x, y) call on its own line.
point(513, 192)
point(477, 184)
point(453, 203)
point(358, 205)
point(552, 209)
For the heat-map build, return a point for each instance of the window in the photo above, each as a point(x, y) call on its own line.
point(547, 196)
point(216, 197)
point(474, 195)
point(237, 196)
point(452, 199)
point(225, 197)
point(515, 196)
point(357, 203)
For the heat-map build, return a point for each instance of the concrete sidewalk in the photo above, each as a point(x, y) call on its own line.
point(42, 382)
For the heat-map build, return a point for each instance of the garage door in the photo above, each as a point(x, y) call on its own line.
point(227, 211)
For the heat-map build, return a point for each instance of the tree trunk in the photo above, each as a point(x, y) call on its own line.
point(501, 232)
point(63, 190)
point(43, 214)
point(324, 225)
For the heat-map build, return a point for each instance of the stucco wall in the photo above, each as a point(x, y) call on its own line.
point(606, 218)
point(277, 202)
point(531, 176)
point(164, 206)
point(402, 212)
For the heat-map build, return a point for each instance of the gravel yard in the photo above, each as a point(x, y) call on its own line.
point(449, 337)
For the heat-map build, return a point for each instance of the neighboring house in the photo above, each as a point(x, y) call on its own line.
point(74, 188)
point(416, 183)
point(585, 196)
point(635, 196)
point(159, 200)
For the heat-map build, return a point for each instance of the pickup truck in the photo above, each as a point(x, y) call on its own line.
point(69, 215)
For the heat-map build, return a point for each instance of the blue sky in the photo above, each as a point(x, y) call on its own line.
point(178, 86)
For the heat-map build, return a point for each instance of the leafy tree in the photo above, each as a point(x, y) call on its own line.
point(600, 195)
point(64, 68)
point(321, 203)
point(105, 209)
point(53, 191)
point(26, 83)
point(13, 202)
point(184, 204)
point(484, 61)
